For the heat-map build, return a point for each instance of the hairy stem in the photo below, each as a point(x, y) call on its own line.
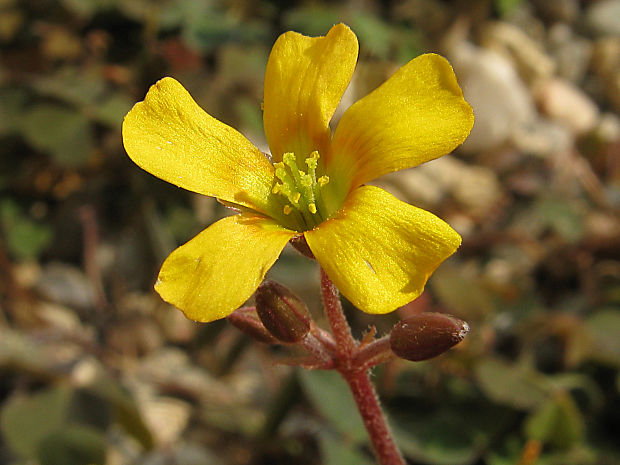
point(374, 419)
point(345, 344)
point(374, 353)
point(356, 376)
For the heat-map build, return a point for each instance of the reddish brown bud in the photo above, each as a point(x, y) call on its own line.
point(284, 315)
point(426, 335)
point(246, 320)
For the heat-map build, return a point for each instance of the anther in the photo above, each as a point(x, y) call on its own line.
point(311, 162)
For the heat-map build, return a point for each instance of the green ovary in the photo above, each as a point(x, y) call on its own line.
point(299, 192)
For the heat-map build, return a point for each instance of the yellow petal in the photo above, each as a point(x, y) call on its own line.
point(417, 115)
point(304, 81)
point(380, 251)
point(219, 269)
point(171, 137)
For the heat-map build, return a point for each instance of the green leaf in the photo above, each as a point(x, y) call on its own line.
point(505, 7)
point(124, 409)
point(580, 385)
point(512, 385)
point(565, 218)
point(375, 35)
point(557, 422)
point(62, 132)
point(250, 115)
point(164, 14)
point(25, 238)
point(508, 453)
point(408, 43)
point(72, 85)
point(208, 32)
point(73, 445)
point(21, 419)
point(313, 20)
point(330, 395)
point(461, 292)
point(604, 328)
point(182, 223)
point(87, 91)
point(88, 408)
point(111, 110)
point(442, 437)
point(13, 101)
point(338, 452)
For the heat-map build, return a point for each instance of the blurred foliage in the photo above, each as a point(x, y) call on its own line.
point(96, 369)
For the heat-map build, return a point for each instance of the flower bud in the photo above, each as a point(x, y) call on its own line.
point(246, 320)
point(284, 315)
point(426, 335)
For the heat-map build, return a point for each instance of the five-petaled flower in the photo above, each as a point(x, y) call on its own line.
point(378, 250)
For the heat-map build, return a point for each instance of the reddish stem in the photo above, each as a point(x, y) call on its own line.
point(357, 378)
point(318, 351)
point(345, 344)
point(374, 353)
point(374, 419)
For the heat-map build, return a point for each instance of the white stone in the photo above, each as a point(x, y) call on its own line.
point(566, 103)
point(500, 99)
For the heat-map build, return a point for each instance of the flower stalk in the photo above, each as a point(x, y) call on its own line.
point(374, 353)
point(345, 344)
point(368, 405)
point(356, 376)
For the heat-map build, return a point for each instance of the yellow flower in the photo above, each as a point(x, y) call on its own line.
point(378, 250)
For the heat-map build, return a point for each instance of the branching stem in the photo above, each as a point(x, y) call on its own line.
point(355, 373)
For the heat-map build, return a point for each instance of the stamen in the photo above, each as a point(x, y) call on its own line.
point(312, 160)
point(307, 188)
point(301, 189)
point(290, 161)
point(287, 188)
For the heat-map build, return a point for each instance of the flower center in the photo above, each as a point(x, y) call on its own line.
point(301, 191)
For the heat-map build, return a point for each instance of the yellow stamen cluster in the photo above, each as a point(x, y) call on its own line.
point(301, 189)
